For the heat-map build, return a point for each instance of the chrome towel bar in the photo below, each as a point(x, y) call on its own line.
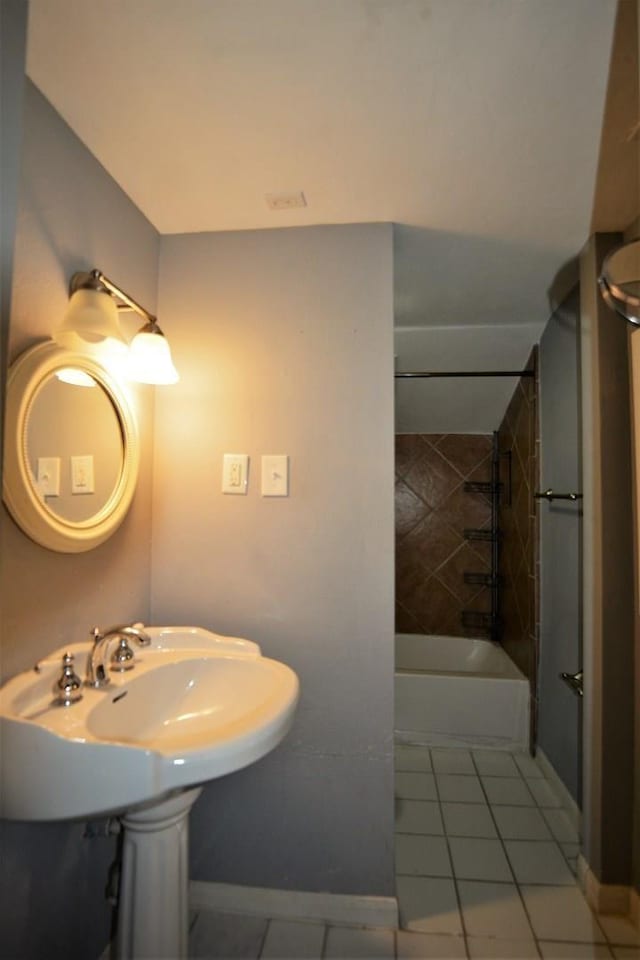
point(550, 495)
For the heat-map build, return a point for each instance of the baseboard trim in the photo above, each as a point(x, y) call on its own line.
point(419, 738)
point(348, 909)
point(569, 805)
point(605, 898)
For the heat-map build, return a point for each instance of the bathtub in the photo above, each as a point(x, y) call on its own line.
point(457, 690)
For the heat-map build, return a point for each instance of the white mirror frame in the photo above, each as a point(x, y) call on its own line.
point(25, 376)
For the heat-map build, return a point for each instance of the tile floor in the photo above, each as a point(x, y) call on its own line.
point(485, 867)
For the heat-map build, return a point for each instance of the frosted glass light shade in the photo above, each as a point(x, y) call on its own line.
point(150, 359)
point(91, 318)
point(76, 377)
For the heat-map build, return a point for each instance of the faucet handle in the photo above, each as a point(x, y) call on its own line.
point(122, 657)
point(67, 688)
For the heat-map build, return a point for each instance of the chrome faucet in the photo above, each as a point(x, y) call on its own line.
point(122, 659)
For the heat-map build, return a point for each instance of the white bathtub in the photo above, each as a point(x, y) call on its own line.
point(456, 690)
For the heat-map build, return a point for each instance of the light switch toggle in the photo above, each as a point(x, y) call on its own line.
point(275, 475)
point(235, 473)
point(48, 478)
point(82, 474)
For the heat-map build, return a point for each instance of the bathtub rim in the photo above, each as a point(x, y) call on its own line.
point(516, 673)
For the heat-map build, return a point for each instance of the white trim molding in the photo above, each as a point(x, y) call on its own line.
point(349, 909)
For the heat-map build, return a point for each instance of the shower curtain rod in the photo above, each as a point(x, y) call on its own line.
point(464, 373)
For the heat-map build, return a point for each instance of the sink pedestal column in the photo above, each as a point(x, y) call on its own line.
point(153, 912)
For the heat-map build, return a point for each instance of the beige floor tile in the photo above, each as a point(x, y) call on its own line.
point(429, 946)
point(561, 913)
point(412, 758)
point(508, 791)
point(220, 935)
point(538, 861)
point(468, 820)
point(488, 948)
point(415, 786)
point(452, 761)
point(493, 910)
point(626, 953)
point(428, 905)
point(418, 816)
point(422, 856)
point(479, 859)
point(574, 951)
point(521, 823)
point(293, 940)
point(495, 763)
point(359, 944)
point(459, 788)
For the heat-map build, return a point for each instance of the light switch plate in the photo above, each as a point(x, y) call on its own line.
point(275, 475)
point(82, 474)
point(235, 473)
point(48, 478)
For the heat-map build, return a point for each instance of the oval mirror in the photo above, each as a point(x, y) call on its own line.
point(71, 449)
point(620, 281)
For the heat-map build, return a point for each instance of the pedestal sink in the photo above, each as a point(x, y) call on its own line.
point(196, 706)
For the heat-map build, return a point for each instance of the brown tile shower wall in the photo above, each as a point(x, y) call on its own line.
point(432, 512)
point(519, 568)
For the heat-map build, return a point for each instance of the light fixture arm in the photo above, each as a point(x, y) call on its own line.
point(149, 356)
point(96, 280)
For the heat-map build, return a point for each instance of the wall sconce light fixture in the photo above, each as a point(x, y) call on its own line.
point(91, 319)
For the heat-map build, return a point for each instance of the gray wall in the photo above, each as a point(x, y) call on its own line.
point(458, 405)
point(284, 342)
point(13, 33)
point(559, 713)
point(71, 216)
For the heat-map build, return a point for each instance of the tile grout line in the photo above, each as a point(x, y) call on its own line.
point(504, 850)
point(453, 871)
point(325, 937)
point(521, 777)
point(264, 938)
point(542, 811)
point(559, 843)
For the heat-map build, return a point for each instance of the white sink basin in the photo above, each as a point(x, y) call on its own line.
point(196, 706)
